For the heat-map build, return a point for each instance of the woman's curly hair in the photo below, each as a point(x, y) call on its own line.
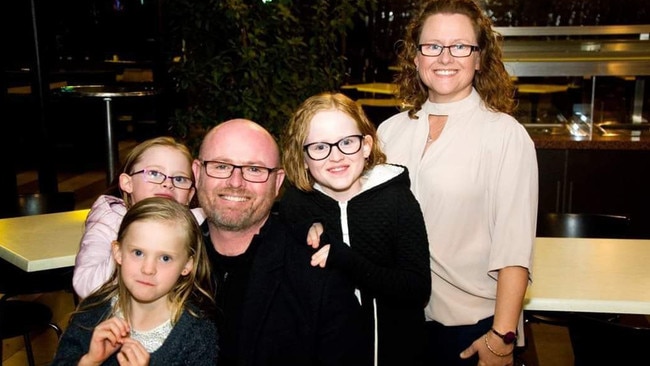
point(491, 81)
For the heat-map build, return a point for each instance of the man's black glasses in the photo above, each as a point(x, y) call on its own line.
point(251, 173)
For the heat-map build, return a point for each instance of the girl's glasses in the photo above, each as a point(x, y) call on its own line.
point(154, 176)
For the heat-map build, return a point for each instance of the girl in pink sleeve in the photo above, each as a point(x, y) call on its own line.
point(159, 167)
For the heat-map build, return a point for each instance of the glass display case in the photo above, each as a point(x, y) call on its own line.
point(580, 80)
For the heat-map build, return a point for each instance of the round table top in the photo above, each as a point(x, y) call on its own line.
point(108, 91)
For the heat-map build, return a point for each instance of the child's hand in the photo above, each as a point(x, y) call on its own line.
point(133, 353)
point(313, 236)
point(107, 338)
point(320, 257)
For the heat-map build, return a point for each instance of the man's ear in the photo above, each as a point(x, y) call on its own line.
point(279, 178)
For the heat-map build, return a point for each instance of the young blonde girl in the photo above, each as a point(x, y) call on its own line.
point(154, 308)
point(158, 167)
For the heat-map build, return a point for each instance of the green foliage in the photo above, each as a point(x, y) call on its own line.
point(255, 59)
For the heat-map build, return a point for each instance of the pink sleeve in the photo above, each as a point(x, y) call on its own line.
point(94, 263)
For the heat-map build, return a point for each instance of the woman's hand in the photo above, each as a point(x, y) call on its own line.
point(486, 356)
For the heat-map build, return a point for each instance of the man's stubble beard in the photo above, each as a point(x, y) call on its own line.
point(234, 220)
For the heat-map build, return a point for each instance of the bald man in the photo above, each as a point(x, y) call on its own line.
point(274, 307)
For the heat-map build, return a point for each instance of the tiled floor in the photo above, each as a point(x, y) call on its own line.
point(552, 342)
point(553, 345)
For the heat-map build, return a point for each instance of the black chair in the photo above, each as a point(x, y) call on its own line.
point(23, 317)
point(572, 225)
point(603, 339)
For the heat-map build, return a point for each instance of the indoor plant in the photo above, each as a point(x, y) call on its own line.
point(254, 59)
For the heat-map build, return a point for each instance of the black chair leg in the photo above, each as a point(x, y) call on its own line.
point(57, 329)
point(28, 344)
point(28, 349)
point(527, 355)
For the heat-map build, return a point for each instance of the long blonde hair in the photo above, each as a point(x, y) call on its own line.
point(196, 286)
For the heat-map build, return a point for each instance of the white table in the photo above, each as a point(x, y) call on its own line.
point(590, 275)
point(41, 242)
point(569, 274)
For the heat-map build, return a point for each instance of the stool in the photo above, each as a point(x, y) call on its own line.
point(21, 318)
point(40, 203)
point(107, 94)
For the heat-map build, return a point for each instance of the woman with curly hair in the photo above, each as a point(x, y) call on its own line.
point(473, 169)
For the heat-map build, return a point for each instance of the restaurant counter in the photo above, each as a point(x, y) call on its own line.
point(596, 142)
point(601, 175)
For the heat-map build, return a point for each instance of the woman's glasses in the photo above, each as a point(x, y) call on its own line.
point(456, 50)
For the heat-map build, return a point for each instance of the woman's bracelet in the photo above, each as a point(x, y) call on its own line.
point(495, 352)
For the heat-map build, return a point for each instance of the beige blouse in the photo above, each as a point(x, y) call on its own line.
point(477, 185)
